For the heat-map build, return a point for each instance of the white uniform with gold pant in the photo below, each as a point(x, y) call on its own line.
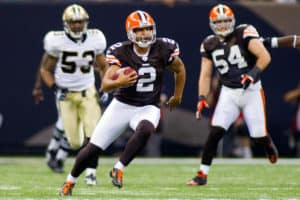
point(251, 102)
point(74, 72)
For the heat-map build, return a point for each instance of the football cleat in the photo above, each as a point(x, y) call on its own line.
point(200, 179)
point(117, 177)
point(66, 189)
point(90, 179)
point(56, 165)
point(272, 153)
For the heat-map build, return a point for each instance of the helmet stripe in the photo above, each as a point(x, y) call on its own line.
point(221, 9)
point(143, 17)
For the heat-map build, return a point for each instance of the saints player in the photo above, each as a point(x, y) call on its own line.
point(136, 96)
point(67, 67)
point(239, 57)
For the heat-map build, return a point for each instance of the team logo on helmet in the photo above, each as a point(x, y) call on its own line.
point(138, 20)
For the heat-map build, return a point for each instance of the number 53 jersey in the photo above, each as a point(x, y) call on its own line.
point(75, 59)
point(231, 57)
point(149, 67)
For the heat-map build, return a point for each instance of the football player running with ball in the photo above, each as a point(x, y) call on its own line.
point(136, 94)
point(67, 67)
point(239, 57)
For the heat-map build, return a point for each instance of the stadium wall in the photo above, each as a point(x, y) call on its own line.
point(23, 27)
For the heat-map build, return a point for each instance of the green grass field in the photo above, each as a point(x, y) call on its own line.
point(29, 178)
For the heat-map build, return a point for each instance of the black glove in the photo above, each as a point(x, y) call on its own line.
point(103, 98)
point(251, 77)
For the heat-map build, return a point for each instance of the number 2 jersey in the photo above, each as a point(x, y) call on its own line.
point(231, 56)
point(74, 68)
point(150, 69)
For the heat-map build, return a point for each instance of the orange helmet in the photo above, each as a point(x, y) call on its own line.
point(221, 20)
point(140, 19)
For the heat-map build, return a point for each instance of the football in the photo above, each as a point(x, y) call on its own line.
point(124, 70)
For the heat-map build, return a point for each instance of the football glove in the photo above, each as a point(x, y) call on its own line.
point(251, 77)
point(202, 103)
point(103, 97)
point(60, 93)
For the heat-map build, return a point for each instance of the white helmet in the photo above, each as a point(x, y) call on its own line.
point(140, 19)
point(221, 20)
point(75, 13)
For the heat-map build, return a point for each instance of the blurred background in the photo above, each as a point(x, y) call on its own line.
point(25, 128)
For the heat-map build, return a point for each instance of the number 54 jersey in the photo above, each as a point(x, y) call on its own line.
point(75, 58)
point(149, 67)
point(231, 57)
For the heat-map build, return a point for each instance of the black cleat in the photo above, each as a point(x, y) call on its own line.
point(117, 177)
point(272, 152)
point(200, 179)
point(56, 165)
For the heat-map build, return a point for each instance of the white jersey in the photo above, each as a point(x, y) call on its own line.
point(74, 68)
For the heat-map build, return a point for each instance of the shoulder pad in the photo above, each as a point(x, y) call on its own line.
point(242, 26)
point(210, 42)
point(52, 40)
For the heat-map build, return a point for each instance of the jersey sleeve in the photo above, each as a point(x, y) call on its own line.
point(111, 58)
point(173, 49)
point(50, 44)
point(100, 42)
point(208, 45)
point(249, 33)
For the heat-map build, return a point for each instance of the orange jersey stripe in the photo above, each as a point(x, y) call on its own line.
point(263, 98)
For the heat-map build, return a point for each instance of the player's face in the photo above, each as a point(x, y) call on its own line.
point(222, 25)
point(76, 26)
point(144, 34)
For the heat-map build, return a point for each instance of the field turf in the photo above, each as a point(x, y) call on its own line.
point(29, 178)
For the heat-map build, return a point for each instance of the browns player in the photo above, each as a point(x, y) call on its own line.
point(67, 68)
point(136, 95)
point(239, 57)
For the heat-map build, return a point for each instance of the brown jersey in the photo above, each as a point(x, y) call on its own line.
point(150, 68)
point(231, 56)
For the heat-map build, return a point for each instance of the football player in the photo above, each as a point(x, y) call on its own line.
point(239, 57)
point(67, 67)
point(136, 95)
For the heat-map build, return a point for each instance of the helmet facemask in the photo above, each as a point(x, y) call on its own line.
point(75, 20)
point(143, 40)
point(221, 20)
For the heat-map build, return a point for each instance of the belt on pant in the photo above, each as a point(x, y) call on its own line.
point(83, 92)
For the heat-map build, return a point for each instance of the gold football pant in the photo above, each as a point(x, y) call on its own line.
point(80, 112)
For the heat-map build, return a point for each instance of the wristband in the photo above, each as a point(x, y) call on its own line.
point(54, 87)
point(201, 97)
point(274, 42)
point(255, 73)
point(294, 41)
